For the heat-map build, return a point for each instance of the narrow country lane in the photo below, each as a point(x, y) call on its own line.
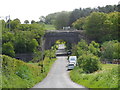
point(58, 77)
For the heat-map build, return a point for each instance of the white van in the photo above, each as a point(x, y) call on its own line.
point(73, 59)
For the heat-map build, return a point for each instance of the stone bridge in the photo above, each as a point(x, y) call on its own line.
point(70, 36)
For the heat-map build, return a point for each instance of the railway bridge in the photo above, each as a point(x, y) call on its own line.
point(70, 36)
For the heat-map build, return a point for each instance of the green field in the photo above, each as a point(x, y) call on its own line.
point(105, 78)
point(50, 27)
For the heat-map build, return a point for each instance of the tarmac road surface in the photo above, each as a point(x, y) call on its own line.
point(58, 76)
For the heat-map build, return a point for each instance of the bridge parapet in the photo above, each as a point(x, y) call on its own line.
point(47, 31)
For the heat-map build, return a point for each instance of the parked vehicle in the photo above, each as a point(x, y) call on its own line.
point(73, 59)
point(70, 66)
point(69, 52)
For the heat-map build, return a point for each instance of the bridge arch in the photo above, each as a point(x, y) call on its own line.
point(72, 37)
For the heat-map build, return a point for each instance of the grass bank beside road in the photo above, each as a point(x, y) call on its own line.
point(18, 74)
point(108, 77)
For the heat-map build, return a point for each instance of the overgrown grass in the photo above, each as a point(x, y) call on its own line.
point(49, 27)
point(108, 77)
point(18, 74)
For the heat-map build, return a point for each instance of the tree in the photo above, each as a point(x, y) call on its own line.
point(18, 20)
point(79, 13)
point(3, 25)
point(50, 53)
point(62, 20)
point(75, 14)
point(95, 26)
point(33, 21)
point(116, 52)
point(50, 18)
point(89, 63)
point(25, 42)
point(79, 23)
point(26, 21)
point(114, 25)
point(110, 50)
point(8, 49)
point(94, 48)
point(42, 19)
point(8, 23)
point(8, 37)
point(82, 48)
point(107, 8)
point(24, 27)
point(74, 50)
point(14, 24)
point(32, 45)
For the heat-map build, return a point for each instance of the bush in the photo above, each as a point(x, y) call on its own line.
point(50, 53)
point(82, 47)
point(32, 45)
point(37, 56)
point(25, 42)
point(87, 55)
point(111, 50)
point(8, 37)
point(89, 63)
point(78, 24)
point(8, 49)
point(94, 48)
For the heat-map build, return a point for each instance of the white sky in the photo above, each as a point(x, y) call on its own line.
point(33, 9)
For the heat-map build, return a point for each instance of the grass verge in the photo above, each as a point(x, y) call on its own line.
point(108, 77)
point(18, 74)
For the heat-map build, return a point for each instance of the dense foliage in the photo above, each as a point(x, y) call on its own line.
point(87, 55)
point(79, 23)
point(8, 49)
point(21, 38)
point(62, 20)
point(100, 26)
point(110, 50)
point(50, 53)
point(72, 16)
point(79, 13)
point(90, 55)
point(89, 63)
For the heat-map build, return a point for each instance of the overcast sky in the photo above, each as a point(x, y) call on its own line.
point(33, 9)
